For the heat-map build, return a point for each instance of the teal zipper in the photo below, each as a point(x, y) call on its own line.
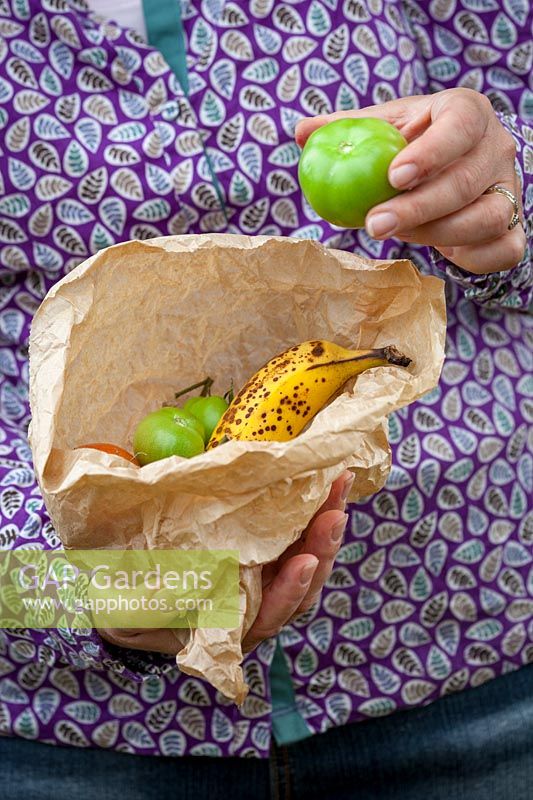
point(288, 725)
point(164, 27)
point(165, 31)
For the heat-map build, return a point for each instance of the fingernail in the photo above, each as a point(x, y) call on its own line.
point(338, 530)
point(381, 224)
point(307, 572)
point(346, 488)
point(402, 176)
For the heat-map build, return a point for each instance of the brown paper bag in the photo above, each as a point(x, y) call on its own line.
point(120, 334)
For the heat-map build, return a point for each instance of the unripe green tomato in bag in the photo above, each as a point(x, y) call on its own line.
point(190, 403)
point(208, 410)
point(169, 431)
point(343, 168)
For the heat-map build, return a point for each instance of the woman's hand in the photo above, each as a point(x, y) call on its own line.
point(456, 149)
point(290, 585)
point(293, 583)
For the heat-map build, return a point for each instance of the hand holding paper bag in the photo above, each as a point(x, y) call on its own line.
point(290, 585)
point(116, 337)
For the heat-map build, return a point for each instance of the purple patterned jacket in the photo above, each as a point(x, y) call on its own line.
point(432, 591)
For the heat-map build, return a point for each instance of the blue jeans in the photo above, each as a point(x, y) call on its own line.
point(476, 745)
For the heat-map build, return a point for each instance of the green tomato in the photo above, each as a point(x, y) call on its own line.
point(190, 403)
point(343, 168)
point(168, 432)
point(208, 410)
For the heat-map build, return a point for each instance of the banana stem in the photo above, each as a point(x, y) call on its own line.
point(206, 390)
point(390, 354)
point(393, 356)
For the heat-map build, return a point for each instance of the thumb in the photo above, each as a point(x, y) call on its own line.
point(409, 114)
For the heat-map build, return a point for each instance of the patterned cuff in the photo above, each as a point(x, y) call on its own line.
point(86, 649)
point(509, 289)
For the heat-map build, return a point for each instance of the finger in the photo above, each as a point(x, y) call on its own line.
point(336, 500)
point(281, 598)
point(500, 254)
point(454, 188)
point(323, 541)
point(409, 114)
point(340, 489)
point(508, 249)
point(482, 221)
point(458, 123)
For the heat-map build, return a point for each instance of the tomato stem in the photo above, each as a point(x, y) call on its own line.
point(230, 394)
point(206, 391)
point(205, 384)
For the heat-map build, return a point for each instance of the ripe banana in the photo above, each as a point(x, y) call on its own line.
point(281, 398)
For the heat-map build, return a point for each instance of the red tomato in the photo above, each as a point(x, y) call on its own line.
point(113, 449)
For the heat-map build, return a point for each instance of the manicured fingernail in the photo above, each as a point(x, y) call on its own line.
point(338, 529)
point(307, 572)
point(403, 176)
point(381, 224)
point(346, 488)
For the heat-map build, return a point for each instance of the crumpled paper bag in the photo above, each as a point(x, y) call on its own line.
point(114, 340)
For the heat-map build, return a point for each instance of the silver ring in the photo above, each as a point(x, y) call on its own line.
point(496, 188)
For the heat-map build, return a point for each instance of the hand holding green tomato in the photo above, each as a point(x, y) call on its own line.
point(343, 168)
point(457, 149)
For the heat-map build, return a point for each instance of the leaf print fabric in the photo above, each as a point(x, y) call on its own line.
point(432, 591)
